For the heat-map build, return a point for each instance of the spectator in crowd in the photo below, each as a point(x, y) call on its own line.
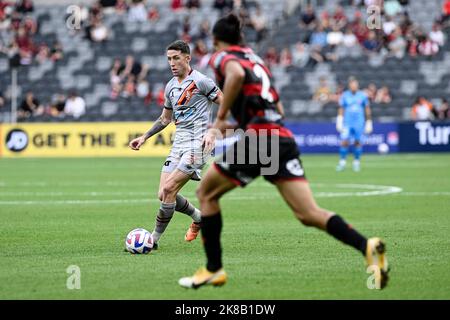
point(308, 18)
point(244, 16)
point(392, 7)
point(259, 23)
point(445, 19)
point(161, 97)
point(143, 91)
point(422, 109)
point(389, 26)
point(57, 105)
point(26, 46)
point(121, 7)
point(323, 93)
point(339, 19)
point(359, 27)
point(56, 53)
point(24, 6)
point(176, 5)
point(204, 31)
point(30, 25)
point(43, 53)
point(436, 35)
point(129, 88)
point(193, 4)
point(108, 5)
point(98, 31)
point(137, 11)
point(153, 14)
point(383, 95)
point(301, 54)
point(371, 91)
point(349, 39)
point(75, 105)
point(371, 44)
point(115, 78)
point(413, 44)
point(443, 111)
point(286, 57)
point(397, 46)
point(137, 69)
point(2, 100)
point(200, 49)
point(318, 37)
point(223, 5)
point(427, 47)
point(335, 37)
point(336, 96)
point(271, 57)
point(185, 33)
point(30, 106)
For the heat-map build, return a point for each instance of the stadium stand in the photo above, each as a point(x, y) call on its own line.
point(86, 62)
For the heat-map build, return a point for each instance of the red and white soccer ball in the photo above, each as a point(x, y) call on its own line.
point(139, 241)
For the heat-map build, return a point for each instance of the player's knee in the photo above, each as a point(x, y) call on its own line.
point(310, 217)
point(168, 189)
point(345, 143)
point(160, 195)
point(304, 219)
point(204, 195)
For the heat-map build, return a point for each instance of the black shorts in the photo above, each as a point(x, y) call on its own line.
point(284, 164)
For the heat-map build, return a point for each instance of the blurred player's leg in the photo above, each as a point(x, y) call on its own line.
point(170, 184)
point(343, 150)
point(299, 197)
point(357, 151)
point(211, 189)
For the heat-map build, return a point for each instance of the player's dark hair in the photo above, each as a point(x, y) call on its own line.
point(179, 45)
point(228, 29)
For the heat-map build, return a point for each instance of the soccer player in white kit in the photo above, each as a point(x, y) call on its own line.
point(189, 96)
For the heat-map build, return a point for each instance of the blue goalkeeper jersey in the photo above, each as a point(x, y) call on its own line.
point(354, 105)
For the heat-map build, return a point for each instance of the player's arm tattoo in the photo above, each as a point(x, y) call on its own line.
point(158, 126)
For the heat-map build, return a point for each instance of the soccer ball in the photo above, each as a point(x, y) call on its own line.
point(383, 148)
point(139, 241)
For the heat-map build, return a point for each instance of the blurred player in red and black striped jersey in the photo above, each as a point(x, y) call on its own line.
point(258, 101)
point(248, 92)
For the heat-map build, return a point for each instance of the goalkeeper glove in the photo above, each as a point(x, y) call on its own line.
point(369, 127)
point(339, 123)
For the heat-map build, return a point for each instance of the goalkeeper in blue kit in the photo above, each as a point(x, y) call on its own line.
point(353, 121)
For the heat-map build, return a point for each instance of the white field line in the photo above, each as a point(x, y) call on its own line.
point(369, 190)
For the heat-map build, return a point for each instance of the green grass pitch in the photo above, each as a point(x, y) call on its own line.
point(60, 212)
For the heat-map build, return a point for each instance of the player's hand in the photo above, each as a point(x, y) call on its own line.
point(136, 144)
point(209, 141)
point(220, 127)
point(339, 123)
point(368, 129)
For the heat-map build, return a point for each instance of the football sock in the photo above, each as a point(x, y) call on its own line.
point(163, 218)
point(211, 228)
point(343, 151)
point(357, 151)
point(184, 206)
point(339, 229)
